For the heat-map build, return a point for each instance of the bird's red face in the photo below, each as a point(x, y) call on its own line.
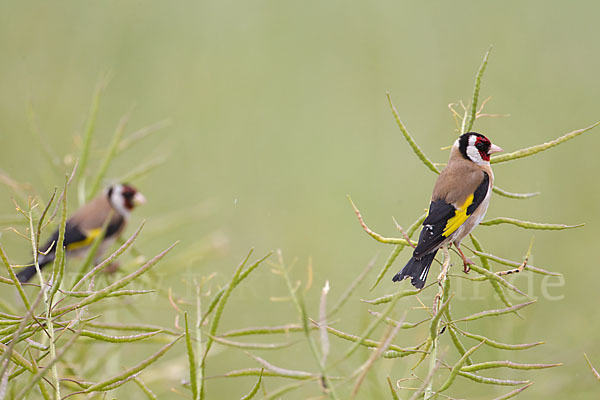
point(124, 198)
point(131, 197)
point(483, 144)
point(476, 147)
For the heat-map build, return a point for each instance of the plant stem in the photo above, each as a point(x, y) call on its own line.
point(47, 301)
point(299, 303)
point(439, 299)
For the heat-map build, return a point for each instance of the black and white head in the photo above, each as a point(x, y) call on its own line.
point(124, 198)
point(476, 147)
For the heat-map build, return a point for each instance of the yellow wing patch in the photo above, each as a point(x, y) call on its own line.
point(91, 236)
point(460, 216)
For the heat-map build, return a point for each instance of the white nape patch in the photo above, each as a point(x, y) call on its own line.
point(473, 153)
point(117, 201)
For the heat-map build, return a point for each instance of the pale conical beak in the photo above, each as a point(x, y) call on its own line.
point(494, 149)
point(139, 199)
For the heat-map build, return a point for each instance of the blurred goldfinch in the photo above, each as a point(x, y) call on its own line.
point(85, 225)
point(461, 196)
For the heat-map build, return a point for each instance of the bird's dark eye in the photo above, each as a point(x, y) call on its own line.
point(480, 145)
point(128, 195)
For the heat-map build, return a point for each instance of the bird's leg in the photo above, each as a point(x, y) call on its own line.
point(466, 261)
point(110, 268)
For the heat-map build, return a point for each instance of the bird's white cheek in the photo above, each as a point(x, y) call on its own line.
point(119, 206)
point(474, 155)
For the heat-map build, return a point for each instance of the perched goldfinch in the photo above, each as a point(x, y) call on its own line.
point(460, 198)
point(84, 226)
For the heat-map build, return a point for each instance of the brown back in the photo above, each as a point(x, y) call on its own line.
point(93, 214)
point(458, 180)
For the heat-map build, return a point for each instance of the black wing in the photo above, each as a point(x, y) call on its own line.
point(479, 194)
point(433, 227)
point(434, 230)
point(74, 235)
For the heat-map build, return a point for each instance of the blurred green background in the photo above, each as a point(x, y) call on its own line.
point(278, 111)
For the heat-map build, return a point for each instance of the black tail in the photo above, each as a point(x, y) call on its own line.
point(28, 272)
point(417, 270)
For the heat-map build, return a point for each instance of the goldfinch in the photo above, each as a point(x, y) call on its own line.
point(84, 226)
point(460, 198)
